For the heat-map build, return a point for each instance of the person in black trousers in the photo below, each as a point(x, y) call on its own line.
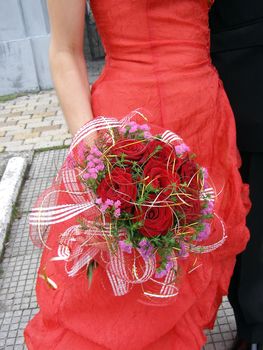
point(237, 53)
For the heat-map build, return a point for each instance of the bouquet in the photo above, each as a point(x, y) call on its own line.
point(139, 202)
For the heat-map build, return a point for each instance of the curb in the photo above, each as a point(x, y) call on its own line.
point(10, 185)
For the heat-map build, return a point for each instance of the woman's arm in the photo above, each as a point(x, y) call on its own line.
point(68, 67)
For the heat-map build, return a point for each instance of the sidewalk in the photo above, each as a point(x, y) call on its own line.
point(35, 121)
point(19, 266)
point(31, 122)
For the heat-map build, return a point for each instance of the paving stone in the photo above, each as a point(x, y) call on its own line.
point(55, 132)
point(19, 148)
point(28, 133)
point(37, 140)
point(62, 137)
point(48, 144)
point(19, 130)
point(5, 140)
point(8, 123)
point(35, 124)
point(47, 128)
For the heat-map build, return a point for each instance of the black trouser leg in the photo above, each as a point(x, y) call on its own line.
point(246, 288)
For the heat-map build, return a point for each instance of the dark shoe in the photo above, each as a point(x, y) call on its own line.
point(241, 344)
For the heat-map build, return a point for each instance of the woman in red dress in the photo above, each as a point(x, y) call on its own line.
point(157, 57)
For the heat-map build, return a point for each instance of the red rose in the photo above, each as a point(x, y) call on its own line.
point(189, 174)
point(133, 149)
point(118, 185)
point(191, 209)
point(157, 219)
point(159, 150)
point(158, 175)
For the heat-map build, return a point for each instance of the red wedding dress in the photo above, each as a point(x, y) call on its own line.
point(157, 58)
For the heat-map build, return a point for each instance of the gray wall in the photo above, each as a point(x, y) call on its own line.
point(24, 40)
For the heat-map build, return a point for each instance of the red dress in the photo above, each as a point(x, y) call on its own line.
point(157, 58)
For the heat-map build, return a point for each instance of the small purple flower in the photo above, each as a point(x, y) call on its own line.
point(205, 173)
point(146, 249)
point(169, 265)
point(98, 201)
point(133, 129)
point(86, 176)
point(109, 202)
point(100, 167)
point(204, 234)
point(125, 246)
point(117, 213)
point(92, 171)
point(103, 208)
point(161, 273)
point(147, 135)
point(209, 209)
point(90, 157)
point(96, 160)
point(122, 130)
point(95, 164)
point(183, 253)
point(95, 151)
point(144, 127)
point(117, 203)
point(182, 148)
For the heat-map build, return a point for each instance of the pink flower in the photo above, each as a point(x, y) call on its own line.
point(117, 212)
point(86, 176)
point(146, 249)
point(90, 157)
point(147, 135)
point(183, 253)
point(95, 151)
point(205, 173)
point(117, 203)
point(109, 202)
point(98, 201)
point(209, 209)
point(144, 127)
point(161, 273)
point(182, 148)
point(204, 234)
point(99, 167)
point(125, 246)
point(133, 129)
point(103, 207)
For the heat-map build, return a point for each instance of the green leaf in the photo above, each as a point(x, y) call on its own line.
point(91, 267)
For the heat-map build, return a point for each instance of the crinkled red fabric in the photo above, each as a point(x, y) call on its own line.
point(158, 59)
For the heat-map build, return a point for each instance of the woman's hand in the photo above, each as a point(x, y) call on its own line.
point(68, 66)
